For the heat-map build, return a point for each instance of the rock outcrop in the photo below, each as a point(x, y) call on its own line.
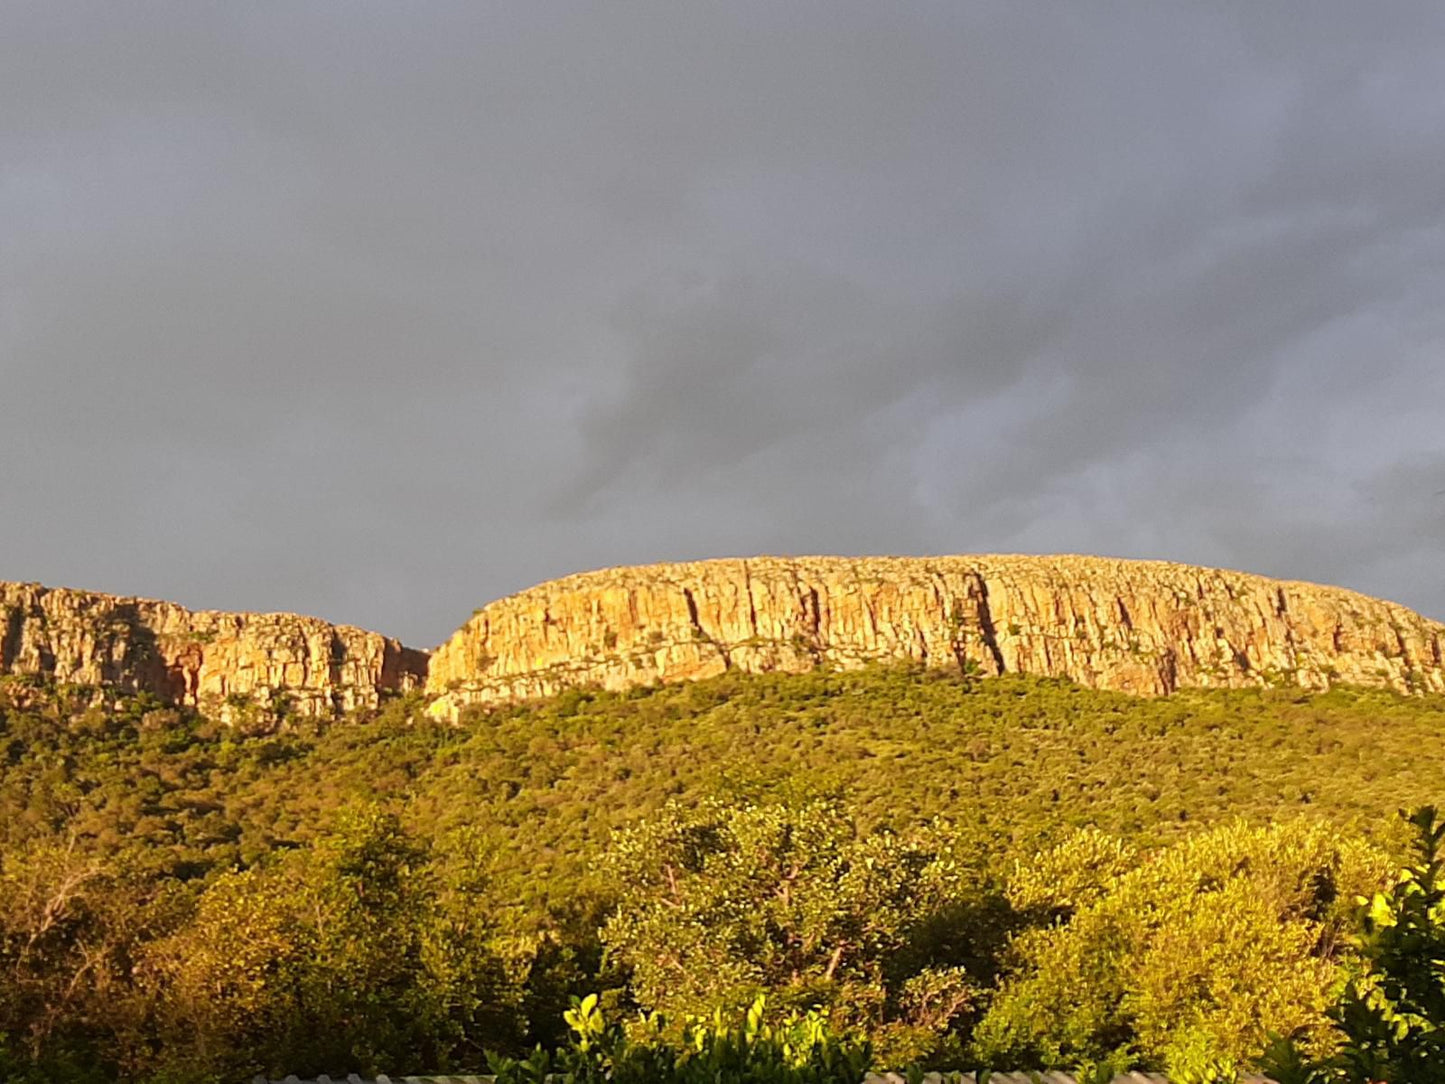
point(1143, 627)
point(202, 658)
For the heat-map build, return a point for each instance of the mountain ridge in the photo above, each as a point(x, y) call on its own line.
point(1143, 627)
point(199, 658)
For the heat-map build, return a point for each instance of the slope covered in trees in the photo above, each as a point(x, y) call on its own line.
point(181, 898)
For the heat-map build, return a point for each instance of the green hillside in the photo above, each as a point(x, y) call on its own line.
point(1019, 758)
point(518, 807)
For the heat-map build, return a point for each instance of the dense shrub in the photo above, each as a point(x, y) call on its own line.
point(1391, 1016)
point(347, 954)
point(1195, 956)
point(798, 1049)
point(718, 903)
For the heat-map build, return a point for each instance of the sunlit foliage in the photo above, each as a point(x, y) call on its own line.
point(951, 868)
point(1202, 951)
point(716, 904)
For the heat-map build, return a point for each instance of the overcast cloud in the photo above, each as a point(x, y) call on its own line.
point(380, 311)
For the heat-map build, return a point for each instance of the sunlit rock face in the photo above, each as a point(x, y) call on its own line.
point(1142, 627)
point(199, 658)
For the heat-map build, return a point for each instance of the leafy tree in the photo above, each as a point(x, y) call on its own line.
point(343, 958)
point(1192, 959)
point(1393, 1010)
point(720, 904)
point(70, 927)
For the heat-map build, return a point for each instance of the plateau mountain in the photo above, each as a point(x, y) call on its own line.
point(1142, 627)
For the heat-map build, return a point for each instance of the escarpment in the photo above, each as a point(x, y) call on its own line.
point(1142, 627)
point(201, 658)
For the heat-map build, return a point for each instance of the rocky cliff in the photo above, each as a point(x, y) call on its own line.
point(1143, 627)
point(203, 658)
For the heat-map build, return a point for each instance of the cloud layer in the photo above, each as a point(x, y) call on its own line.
point(381, 311)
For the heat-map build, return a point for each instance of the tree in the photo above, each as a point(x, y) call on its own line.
point(1393, 1010)
point(1192, 959)
point(70, 926)
point(349, 956)
point(720, 904)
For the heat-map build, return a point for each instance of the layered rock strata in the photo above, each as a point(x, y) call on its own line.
point(202, 658)
point(1143, 627)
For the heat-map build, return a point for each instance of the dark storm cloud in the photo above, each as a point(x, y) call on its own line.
point(380, 311)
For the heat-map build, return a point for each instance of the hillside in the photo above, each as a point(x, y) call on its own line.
point(219, 888)
point(1141, 627)
point(1015, 759)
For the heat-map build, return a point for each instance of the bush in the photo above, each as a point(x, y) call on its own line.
point(720, 904)
point(1393, 1010)
point(1192, 959)
point(799, 1049)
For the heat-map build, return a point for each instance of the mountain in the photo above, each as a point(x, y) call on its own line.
point(204, 871)
point(1142, 627)
point(199, 658)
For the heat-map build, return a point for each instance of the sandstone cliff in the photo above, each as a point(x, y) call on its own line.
point(200, 658)
point(1143, 627)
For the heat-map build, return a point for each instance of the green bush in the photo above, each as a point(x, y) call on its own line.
point(719, 904)
point(798, 1049)
point(1393, 1010)
point(1193, 958)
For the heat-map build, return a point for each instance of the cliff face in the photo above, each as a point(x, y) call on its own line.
point(198, 658)
point(1143, 627)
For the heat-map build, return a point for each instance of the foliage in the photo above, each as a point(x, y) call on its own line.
point(335, 956)
point(349, 955)
point(1393, 1011)
point(798, 1049)
point(717, 904)
point(182, 900)
point(1193, 958)
point(71, 926)
point(1018, 762)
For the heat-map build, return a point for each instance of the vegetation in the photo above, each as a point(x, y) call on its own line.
point(1192, 958)
point(1394, 1008)
point(800, 1049)
point(718, 903)
point(1391, 1016)
point(945, 872)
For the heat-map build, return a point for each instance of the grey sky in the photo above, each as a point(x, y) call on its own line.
point(380, 311)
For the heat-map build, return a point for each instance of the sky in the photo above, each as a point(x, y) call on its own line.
point(380, 311)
